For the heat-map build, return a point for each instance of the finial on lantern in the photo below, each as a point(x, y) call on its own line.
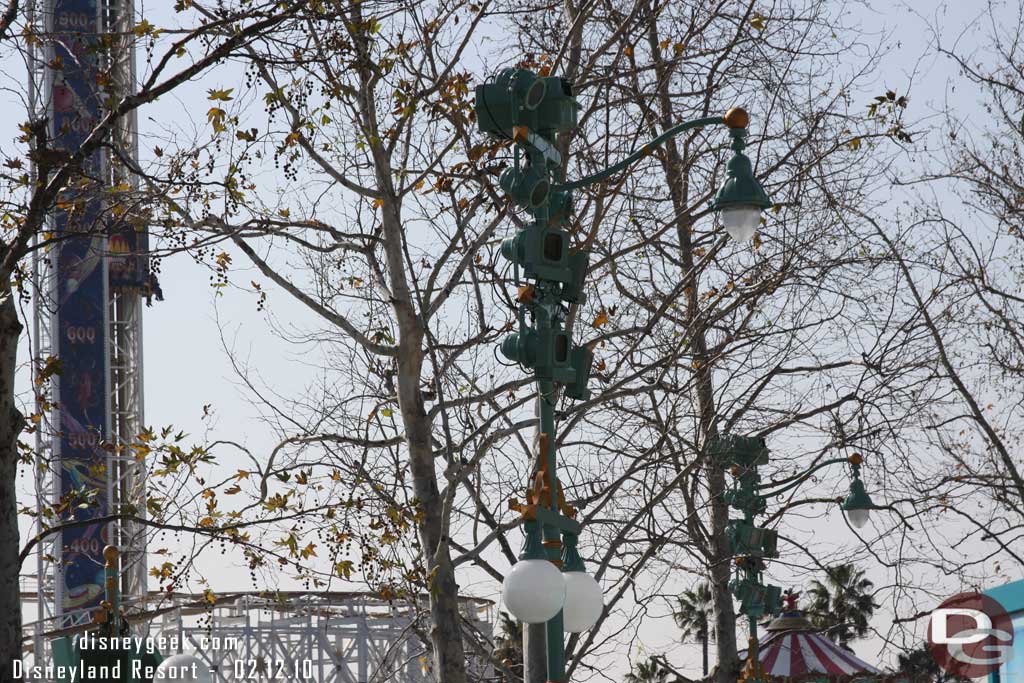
point(737, 117)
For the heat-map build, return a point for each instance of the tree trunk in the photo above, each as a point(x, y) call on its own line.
point(725, 616)
point(443, 591)
point(718, 551)
point(704, 655)
point(11, 423)
point(446, 622)
point(719, 562)
point(445, 631)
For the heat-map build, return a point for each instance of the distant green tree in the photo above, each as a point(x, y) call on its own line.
point(843, 604)
point(647, 672)
point(694, 609)
point(919, 666)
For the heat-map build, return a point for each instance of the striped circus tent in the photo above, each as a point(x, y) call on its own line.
point(794, 650)
point(806, 653)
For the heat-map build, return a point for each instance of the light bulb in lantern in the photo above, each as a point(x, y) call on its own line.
point(741, 221)
point(858, 518)
point(533, 591)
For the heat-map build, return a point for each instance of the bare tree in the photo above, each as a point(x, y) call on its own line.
point(957, 252)
point(361, 116)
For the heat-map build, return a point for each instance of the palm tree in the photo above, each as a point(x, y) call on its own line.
point(843, 604)
point(693, 616)
point(647, 672)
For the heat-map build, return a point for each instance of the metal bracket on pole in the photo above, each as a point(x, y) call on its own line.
point(525, 135)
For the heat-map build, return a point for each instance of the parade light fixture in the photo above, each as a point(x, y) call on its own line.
point(582, 360)
point(547, 351)
point(528, 187)
point(527, 90)
point(519, 97)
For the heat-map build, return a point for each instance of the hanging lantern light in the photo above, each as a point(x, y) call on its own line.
point(858, 504)
point(741, 198)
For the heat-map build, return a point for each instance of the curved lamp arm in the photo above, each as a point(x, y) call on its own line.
point(799, 479)
point(642, 152)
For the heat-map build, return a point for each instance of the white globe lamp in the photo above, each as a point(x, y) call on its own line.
point(533, 591)
point(584, 602)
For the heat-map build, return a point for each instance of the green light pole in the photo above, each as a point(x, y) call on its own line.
point(531, 110)
point(751, 545)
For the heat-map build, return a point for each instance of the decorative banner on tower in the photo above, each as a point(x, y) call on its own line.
point(80, 300)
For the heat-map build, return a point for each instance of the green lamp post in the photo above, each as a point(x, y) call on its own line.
point(531, 110)
point(751, 545)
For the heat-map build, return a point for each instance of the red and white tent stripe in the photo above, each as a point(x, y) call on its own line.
point(792, 654)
